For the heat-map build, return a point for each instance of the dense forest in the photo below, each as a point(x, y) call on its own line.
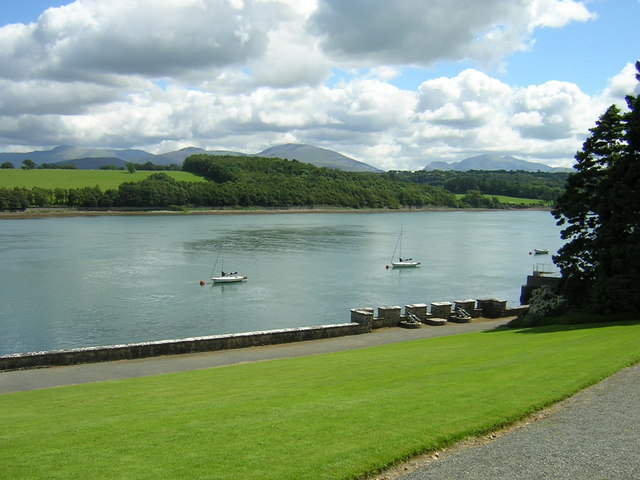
point(277, 183)
point(242, 182)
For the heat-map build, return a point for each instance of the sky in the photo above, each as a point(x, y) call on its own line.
point(396, 84)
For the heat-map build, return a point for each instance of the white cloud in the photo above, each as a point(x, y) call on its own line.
point(246, 74)
point(470, 99)
point(554, 104)
point(621, 85)
point(91, 38)
point(150, 38)
point(401, 32)
point(478, 113)
point(557, 14)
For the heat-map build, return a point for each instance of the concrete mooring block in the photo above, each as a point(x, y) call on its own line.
point(389, 316)
point(492, 307)
point(417, 309)
point(468, 306)
point(441, 309)
point(363, 316)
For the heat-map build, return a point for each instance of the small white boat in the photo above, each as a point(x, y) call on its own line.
point(402, 262)
point(225, 277)
point(541, 251)
point(229, 278)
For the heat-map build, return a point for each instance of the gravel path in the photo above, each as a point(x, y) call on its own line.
point(593, 435)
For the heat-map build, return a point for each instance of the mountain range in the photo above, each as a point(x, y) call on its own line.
point(94, 158)
point(494, 162)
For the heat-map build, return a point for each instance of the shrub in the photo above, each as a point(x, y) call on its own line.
point(544, 303)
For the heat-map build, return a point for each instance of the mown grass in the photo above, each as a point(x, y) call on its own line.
point(105, 179)
point(512, 200)
point(519, 200)
point(333, 416)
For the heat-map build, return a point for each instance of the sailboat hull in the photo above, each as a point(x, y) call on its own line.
point(229, 279)
point(405, 264)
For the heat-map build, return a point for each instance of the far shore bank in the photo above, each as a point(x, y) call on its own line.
point(59, 212)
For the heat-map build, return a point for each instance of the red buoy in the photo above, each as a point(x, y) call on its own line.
point(202, 283)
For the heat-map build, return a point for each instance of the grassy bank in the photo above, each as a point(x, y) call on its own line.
point(52, 212)
point(513, 201)
point(333, 416)
point(105, 179)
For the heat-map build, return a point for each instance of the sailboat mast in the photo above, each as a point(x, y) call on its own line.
point(216, 262)
point(398, 244)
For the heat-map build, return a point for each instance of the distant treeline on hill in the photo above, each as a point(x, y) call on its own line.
point(70, 165)
point(277, 182)
point(242, 182)
point(273, 182)
point(544, 186)
point(146, 166)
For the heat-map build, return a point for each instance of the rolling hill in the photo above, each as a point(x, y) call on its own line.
point(87, 158)
point(494, 162)
point(320, 157)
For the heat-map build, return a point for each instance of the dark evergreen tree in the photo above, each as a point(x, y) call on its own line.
point(600, 213)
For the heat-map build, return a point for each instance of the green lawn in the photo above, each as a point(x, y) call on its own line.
point(333, 416)
point(519, 201)
point(512, 200)
point(105, 179)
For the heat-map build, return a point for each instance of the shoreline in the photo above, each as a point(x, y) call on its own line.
point(63, 212)
point(58, 375)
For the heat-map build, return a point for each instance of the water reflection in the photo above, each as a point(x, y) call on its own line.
point(285, 238)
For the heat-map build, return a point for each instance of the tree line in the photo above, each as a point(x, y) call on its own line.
point(289, 182)
point(545, 186)
point(28, 164)
point(273, 182)
point(242, 182)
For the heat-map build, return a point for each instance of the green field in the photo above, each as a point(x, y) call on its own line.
point(332, 416)
point(519, 201)
point(111, 179)
point(105, 179)
point(512, 200)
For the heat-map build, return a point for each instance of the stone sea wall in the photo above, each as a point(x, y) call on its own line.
point(362, 321)
point(176, 347)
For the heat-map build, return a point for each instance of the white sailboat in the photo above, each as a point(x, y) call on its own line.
point(402, 262)
point(225, 277)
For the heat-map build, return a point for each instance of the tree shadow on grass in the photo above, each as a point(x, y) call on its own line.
point(563, 327)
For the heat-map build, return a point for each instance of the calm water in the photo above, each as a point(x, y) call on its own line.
point(75, 282)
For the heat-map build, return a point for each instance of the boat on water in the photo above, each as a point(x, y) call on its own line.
point(225, 277)
point(401, 262)
point(229, 278)
point(541, 251)
point(405, 263)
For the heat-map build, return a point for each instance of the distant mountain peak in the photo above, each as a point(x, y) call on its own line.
point(320, 157)
point(492, 161)
point(93, 158)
